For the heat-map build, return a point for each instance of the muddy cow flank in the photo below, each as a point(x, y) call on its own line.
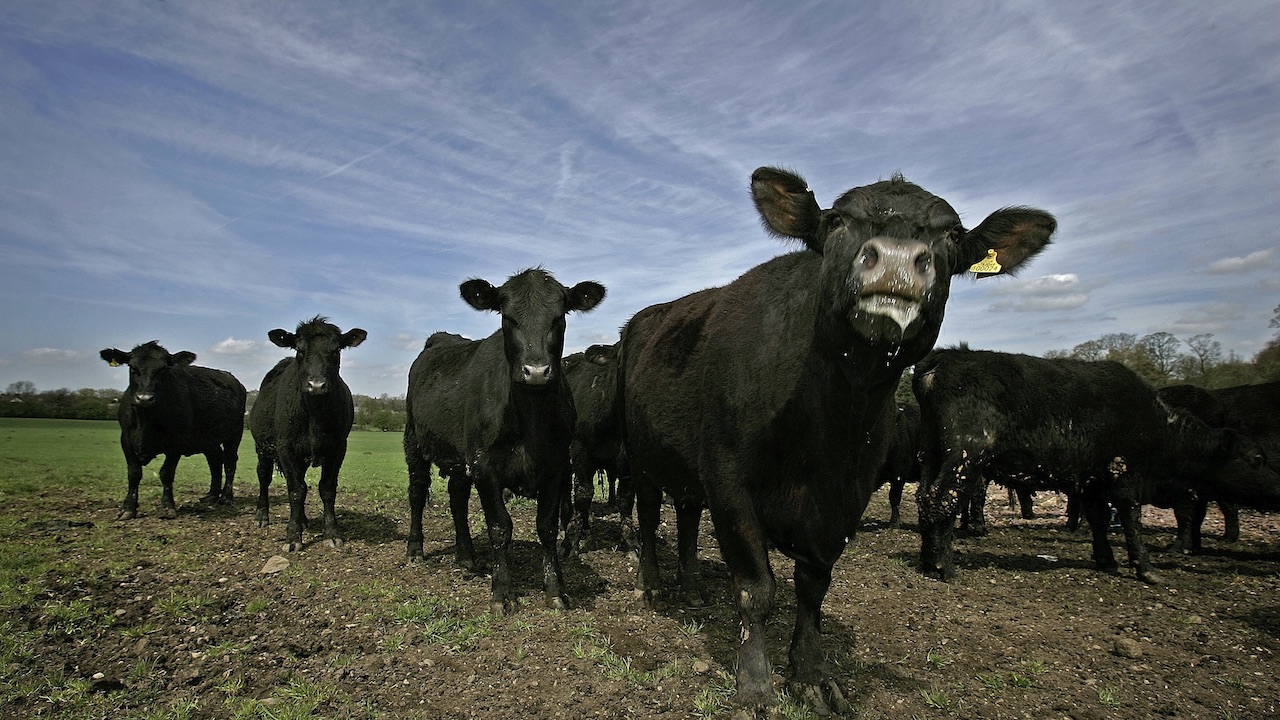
point(597, 442)
point(762, 398)
point(1253, 411)
point(174, 408)
point(498, 414)
point(1091, 429)
point(301, 419)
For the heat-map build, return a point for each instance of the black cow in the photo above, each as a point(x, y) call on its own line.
point(902, 458)
point(301, 419)
point(597, 442)
point(1094, 429)
point(764, 397)
point(1251, 410)
point(498, 413)
point(174, 408)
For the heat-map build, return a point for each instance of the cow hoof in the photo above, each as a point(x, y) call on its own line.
point(557, 603)
point(127, 515)
point(168, 513)
point(292, 546)
point(499, 609)
point(264, 522)
point(823, 699)
point(335, 542)
point(1150, 577)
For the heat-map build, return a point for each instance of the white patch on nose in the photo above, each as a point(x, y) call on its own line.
point(894, 307)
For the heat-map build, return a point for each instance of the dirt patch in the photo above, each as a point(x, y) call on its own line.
point(178, 614)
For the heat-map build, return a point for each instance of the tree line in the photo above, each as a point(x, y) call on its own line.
point(22, 399)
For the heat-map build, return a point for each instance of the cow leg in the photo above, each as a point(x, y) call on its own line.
point(648, 513)
point(464, 552)
point(551, 492)
point(230, 459)
point(895, 502)
point(498, 521)
point(611, 484)
point(939, 499)
point(742, 547)
point(1188, 514)
point(1097, 513)
point(129, 508)
point(1131, 521)
point(973, 515)
point(1230, 522)
point(419, 492)
point(1026, 503)
point(811, 679)
point(688, 522)
point(1073, 511)
point(295, 478)
point(579, 517)
point(168, 509)
point(328, 488)
point(266, 469)
point(626, 516)
point(214, 459)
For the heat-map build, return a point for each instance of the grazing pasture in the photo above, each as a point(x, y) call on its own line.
point(158, 618)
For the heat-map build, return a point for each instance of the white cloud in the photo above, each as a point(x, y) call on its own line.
point(52, 356)
point(234, 347)
point(1253, 261)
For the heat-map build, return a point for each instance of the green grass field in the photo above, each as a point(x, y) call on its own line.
point(38, 457)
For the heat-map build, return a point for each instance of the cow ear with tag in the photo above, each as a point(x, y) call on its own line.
point(1004, 241)
point(114, 357)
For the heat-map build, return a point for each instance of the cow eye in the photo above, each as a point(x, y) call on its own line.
point(835, 221)
point(955, 234)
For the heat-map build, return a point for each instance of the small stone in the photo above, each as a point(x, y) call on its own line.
point(274, 565)
point(1126, 647)
point(701, 667)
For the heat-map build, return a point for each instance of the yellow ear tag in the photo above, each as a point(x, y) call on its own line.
point(986, 265)
point(113, 363)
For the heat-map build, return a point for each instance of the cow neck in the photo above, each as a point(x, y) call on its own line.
point(534, 410)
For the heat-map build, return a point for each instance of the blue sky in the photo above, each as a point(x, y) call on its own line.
point(199, 173)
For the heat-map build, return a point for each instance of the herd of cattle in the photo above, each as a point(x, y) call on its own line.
point(769, 401)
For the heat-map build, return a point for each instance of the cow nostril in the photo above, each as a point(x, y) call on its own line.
point(923, 263)
point(870, 258)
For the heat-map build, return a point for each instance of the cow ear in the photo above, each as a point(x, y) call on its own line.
point(185, 357)
point(282, 338)
point(114, 357)
point(1006, 239)
point(353, 337)
point(786, 205)
point(584, 296)
point(480, 295)
point(598, 354)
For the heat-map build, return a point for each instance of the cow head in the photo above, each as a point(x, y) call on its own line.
point(319, 344)
point(150, 367)
point(889, 251)
point(533, 305)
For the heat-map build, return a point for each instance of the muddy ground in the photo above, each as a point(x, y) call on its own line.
point(177, 618)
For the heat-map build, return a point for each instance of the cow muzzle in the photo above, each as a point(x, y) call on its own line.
point(316, 386)
point(535, 374)
point(892, 277)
